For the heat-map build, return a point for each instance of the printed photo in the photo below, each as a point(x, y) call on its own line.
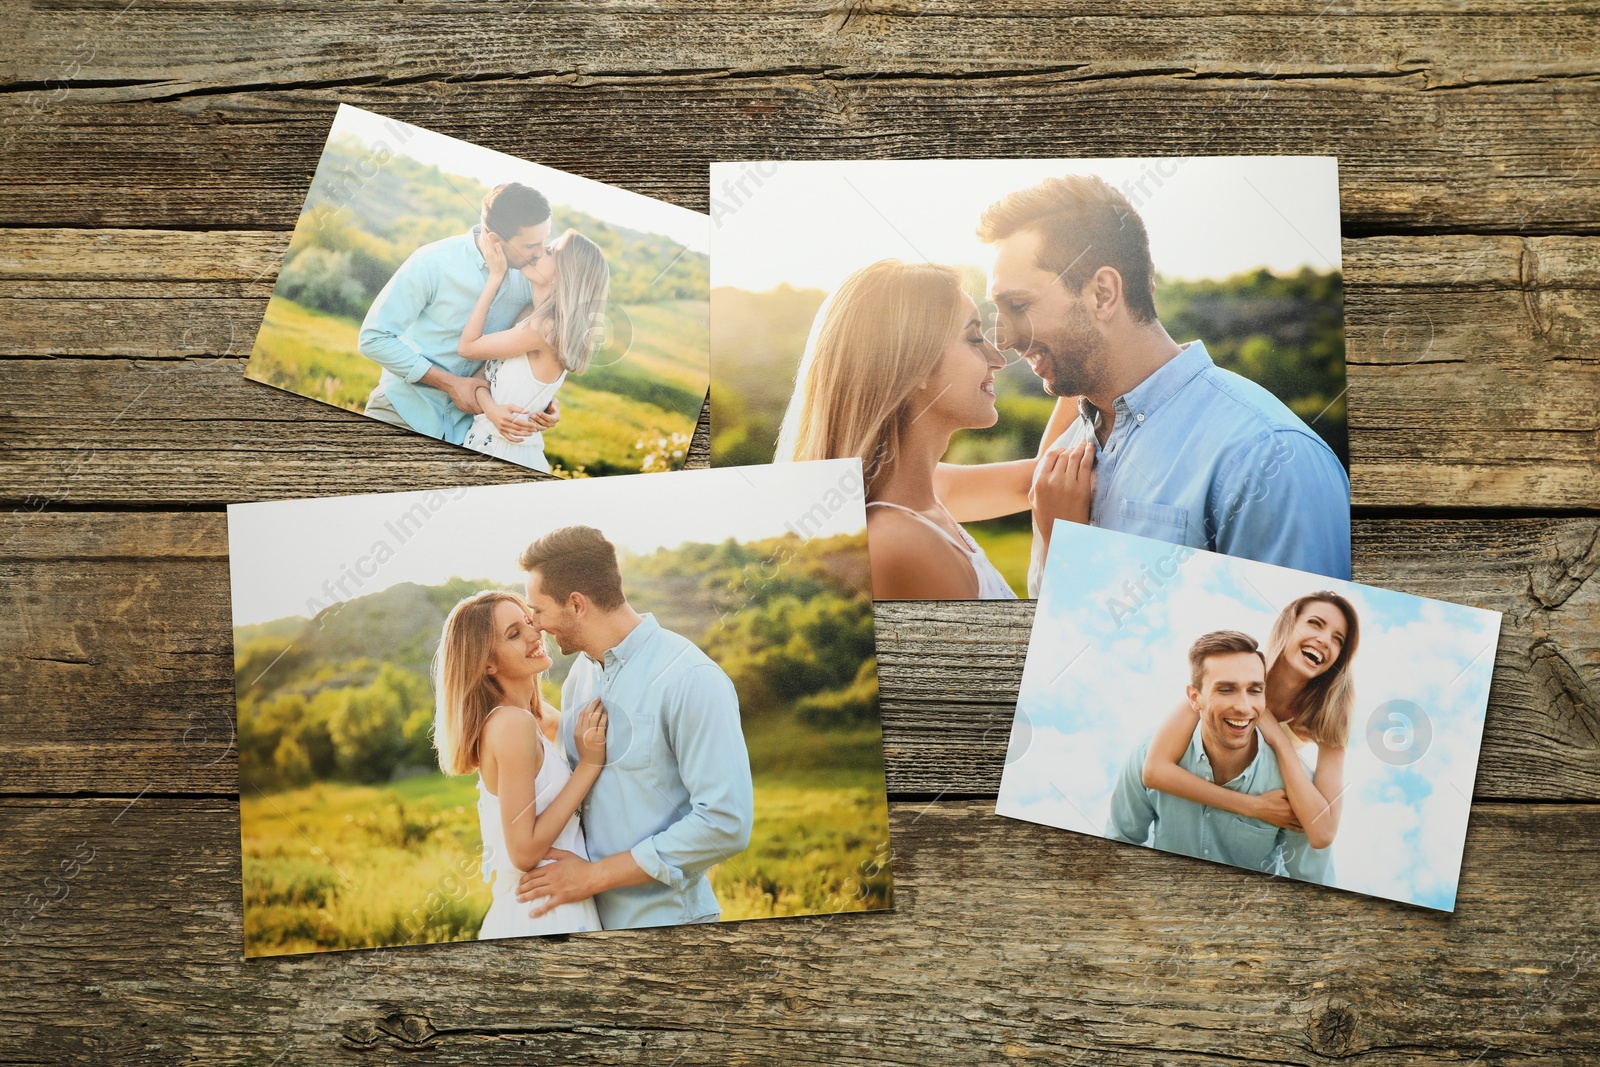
point(556, 707)
point(1154, 346)
point(551, 321)
point(1247, 714)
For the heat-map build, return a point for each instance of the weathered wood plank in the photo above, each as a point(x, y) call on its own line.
point(1009, 942)
point(165, 51)
point(1474, 377)
point(1510, 155)
point(122, 656)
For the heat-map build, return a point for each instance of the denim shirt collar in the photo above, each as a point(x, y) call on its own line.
point(1177, 372)
point(637, 638)
point(1197, 754)
point(475, 253)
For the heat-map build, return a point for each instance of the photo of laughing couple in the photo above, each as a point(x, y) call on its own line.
point(1251, 715)
point(1149, 346)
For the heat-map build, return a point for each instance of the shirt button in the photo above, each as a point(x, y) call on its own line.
point(1139, 417)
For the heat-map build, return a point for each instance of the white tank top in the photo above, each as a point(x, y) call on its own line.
point(991, 584)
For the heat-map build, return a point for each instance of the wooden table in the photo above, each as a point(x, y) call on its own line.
point(157, 154)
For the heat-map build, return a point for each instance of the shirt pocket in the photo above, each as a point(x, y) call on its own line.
point(1249, 842)
point(631, 739)
point(1164, 522)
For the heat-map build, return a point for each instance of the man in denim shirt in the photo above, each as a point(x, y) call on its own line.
point(413, 328)
point(1228, 689)
point(1185, 451)
point(675, 796)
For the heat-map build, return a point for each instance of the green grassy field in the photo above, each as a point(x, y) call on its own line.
point(334, 866)
point(651, 391)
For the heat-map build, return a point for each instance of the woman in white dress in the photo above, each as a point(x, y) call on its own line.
point(897, 363)
point(556, 335)
point(489, 718)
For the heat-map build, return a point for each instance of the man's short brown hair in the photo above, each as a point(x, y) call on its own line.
point(511, 207)
point(1083, 224)
point(1219, 643)
point(576, 559)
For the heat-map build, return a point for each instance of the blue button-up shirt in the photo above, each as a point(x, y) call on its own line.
point(1144, 816)
point(676, 788)
point(1203, 457)
point(416, 323)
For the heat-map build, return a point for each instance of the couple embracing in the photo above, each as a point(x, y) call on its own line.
point(476, 333)
point(616, 826)
point(1148, 436)
point(1249, 769)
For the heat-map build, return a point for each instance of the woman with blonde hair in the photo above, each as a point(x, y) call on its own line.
point(489, 718)
point(898, 362)
point(525, 365)
point(1310, 698)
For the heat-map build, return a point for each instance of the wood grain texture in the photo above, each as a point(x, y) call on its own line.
point(1474, 370)
point(1009, 943)
point(1506, 156)
point(96, 598)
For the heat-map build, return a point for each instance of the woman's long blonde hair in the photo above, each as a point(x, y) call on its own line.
point(880, 335)
point(464, 690)
point(574, 313)
point(1322, 711)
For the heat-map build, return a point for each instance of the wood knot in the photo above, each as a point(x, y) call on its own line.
point(405, 1029)
point(1333, 1029)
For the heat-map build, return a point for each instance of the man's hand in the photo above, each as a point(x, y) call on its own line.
point(543, 420)
point(463, 392)
point(1274, 808)
point(570, 878)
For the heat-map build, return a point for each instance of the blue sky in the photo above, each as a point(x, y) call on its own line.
point(285, 554)
point(1108, 660)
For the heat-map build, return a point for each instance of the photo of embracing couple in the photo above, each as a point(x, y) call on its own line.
point(1250, 715)
point(492, 303)
point(476, 333)
point(556, 706)
point(1226, 777)
point(649, 786)
point(1145, 434)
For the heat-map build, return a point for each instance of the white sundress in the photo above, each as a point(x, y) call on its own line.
point(511, 382)
point(991, 583)
point(506, 917)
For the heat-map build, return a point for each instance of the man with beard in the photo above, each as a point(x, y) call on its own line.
point(1186, 452)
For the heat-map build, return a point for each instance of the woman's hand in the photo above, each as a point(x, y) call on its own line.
point(1274, 808)
point(1064, 485)
point(494, 257)
point(1273, 732)
point(509, 422)
point(589, 734)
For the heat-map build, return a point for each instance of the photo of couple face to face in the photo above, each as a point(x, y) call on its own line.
point(1150, 346)
point(1251, 715)
point(513, 309)
point(557, 707)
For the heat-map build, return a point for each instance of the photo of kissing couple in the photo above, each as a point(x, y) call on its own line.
point(472, 297)
point(1067, 378)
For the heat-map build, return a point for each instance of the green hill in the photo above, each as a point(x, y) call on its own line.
point(346, 695)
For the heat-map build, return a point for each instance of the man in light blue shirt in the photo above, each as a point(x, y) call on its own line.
point(675, 796)
point(1185, 451)
point(1228, 690)
point(413, 328)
